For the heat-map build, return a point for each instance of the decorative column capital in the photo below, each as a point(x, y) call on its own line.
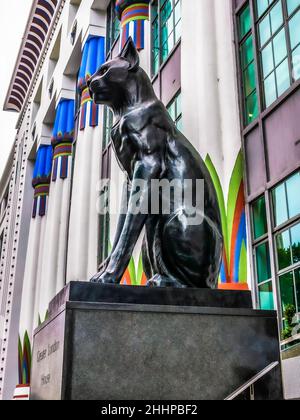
point(133, 14)
point(122, 5)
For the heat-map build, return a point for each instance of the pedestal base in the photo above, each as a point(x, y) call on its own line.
point(127, 351)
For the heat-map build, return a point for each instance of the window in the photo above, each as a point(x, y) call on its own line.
point(264, 276)
point(175, 111)
point(248, 67)
point(108, 123)
point(274, 53)
point(279, 45)
point(284, 209)
point(259, 218)
point(290, 290)
point(105, 193)
point(104, 226)
point(286, 213)
point(165, 30)
point(263, 272)
point(286, 200)
point(277, 53)
point(294, 26)
point(113, 26)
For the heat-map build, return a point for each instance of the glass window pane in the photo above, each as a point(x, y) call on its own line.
point(251, 108)
point(283, 77)
point(263, 263)
point(178, 31)
point(249, 79)
point(267, 60)
point(270, 90)
point(293, 193)
point(297, 283)
point(245, 22)
point(261, 6)
point(283, 244)
point(177, 12)
point(294, 26)
point(172, 111)
point(295, 235)
point(266, 297)
point(259, 218)
point(280, 205)
point(287, 290)
point(247, 54)
point(276, 16)
point(280, 50)
point(296, 63)
point(265, 30)
point(292, 5)
point(178, 105)
point(179, 124)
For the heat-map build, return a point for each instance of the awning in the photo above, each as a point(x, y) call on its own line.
point(92, 58)
point(41, 179)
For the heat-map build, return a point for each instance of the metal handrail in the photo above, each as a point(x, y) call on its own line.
point(290, 340)
point(252, 381)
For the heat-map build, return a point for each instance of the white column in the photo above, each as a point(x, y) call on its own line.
point(30, 278)
point(39, 316)
point(63, 231)
point(95, 176)
point(210, 98)
point(200, 91)
point(228, 90)
point(83, 235)
point(53, 265)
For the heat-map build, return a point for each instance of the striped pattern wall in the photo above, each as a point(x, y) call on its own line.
point(32, 45)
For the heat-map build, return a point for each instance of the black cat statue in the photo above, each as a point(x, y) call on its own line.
point(183, 246)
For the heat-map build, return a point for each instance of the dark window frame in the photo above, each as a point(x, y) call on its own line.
point(162, 62)
point(178, 116)
point(294, 84)
point(112, 35)
point(271, 238)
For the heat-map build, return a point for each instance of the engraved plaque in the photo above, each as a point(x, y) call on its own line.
point(47, 360)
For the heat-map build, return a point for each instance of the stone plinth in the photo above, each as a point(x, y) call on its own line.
point(136, 349)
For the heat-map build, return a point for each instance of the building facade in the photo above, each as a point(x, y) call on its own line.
point(227, 72)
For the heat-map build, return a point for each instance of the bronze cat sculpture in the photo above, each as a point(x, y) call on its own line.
point(148, 146)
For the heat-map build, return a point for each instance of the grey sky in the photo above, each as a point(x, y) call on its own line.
point(13, 18)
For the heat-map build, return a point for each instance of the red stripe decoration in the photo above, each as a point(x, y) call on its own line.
point(134, 12)
point(94, 111)
point(133, 19)
point(83, 116)
point(61, 155)
point(41, 192)
point(236, 223)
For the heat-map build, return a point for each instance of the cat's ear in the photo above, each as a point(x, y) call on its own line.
point(130, 53)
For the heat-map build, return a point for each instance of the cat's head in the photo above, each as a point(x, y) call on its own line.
point(115, 76)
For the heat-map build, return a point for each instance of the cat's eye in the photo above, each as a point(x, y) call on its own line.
point(102, 71)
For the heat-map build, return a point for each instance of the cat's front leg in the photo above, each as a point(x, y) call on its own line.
point(134, 221)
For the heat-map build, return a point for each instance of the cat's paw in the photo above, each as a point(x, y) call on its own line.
point(104, 278)
point(162, 281)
